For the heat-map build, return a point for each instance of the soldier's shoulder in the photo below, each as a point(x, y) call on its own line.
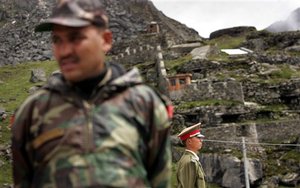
point(40, 93)
point(36, 96)
point(186, 157)
point(191, 159)
point(143, 88)
point(194, 160)
point(188, 162)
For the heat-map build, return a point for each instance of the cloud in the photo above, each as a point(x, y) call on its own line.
point(206, 16)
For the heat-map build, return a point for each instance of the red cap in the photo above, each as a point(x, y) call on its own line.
point(191, 132)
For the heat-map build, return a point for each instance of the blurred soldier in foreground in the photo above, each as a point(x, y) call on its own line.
point(189, 170)
point(93, 125)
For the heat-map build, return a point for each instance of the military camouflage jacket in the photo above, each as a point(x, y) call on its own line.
point(189, 172)
point(119, 138)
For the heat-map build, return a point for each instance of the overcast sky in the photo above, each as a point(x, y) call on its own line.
point(206, 16)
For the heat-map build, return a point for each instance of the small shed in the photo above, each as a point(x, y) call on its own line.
point(179, 81)
point(153, 27)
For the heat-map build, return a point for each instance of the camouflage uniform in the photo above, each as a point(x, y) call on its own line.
point(189, 172)
point(118, 138)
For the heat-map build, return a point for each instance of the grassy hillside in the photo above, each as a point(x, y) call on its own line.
point(14, 85)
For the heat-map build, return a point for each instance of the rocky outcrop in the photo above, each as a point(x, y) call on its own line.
point(264, 40)
point(38, 75)
point(226, 170)
point(234, 31)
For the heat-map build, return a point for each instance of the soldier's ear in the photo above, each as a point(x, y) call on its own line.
point(107, 37)
point(188, 140)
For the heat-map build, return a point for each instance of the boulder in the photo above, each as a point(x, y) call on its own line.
point(234, 31)
point(38, 75)
point(201, 52)
point(290, 179)
point(228, 171)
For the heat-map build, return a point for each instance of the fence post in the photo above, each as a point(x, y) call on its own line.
point(245, 164)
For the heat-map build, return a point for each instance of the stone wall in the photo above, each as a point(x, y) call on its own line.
point(148, 53)
point(285, 93)
point(261, 93)
point(278, 59)
point(204, 90)
point(282, 132)
point(133, 56)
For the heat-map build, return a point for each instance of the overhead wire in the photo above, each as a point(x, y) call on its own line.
point(250, 143)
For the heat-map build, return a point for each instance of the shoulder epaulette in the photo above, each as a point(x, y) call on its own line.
point(194, 160)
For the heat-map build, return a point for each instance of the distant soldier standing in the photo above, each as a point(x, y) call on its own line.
point(190, 173)
point(93, 125)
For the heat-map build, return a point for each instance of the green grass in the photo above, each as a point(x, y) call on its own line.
point(279, 162)
point(292, 155)
point(15, 82)
point(221, 57)
point(227, 42)
point(5, 172)
point(145, 66)
point(212, 102)
point(274, 108)
point(293, 54)
point(6, 168)
point(14, 85)
point(284, 73)
point(173, 65)
point(272, 168)
point(5, 133)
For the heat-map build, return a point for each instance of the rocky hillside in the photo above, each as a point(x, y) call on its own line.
point(255, 96)
point(19, 43)
point(292, 23)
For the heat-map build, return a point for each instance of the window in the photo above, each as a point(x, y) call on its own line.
point(182, 81)
point(173, 82)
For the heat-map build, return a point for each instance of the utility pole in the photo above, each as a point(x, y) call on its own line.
point(245, 164)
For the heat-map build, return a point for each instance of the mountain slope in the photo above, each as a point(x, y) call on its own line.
point(292, 23)
point(19, 43)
